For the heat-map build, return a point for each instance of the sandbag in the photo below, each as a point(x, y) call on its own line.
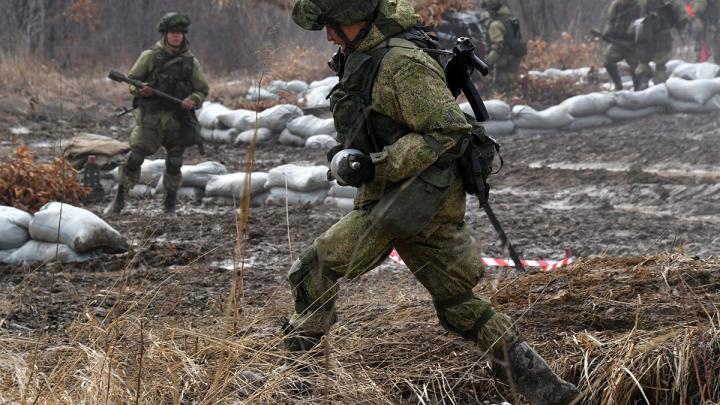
point(221, 135)
point(34, 252)
point(298, 178)
point(278, 196)
point(193, 194)
point(634, 100)
point(197, 175)
point(276, 118)
point(293, 86)
point(260, 94)
point(141, 191)
point(696, 91)
point(13, 227)
point(672, 65)
point(696, 71)
point(80, 229)
point(325, 142)
point(206, 134)
point(255, 201)
point(316, 95)
point(310, 125)
point(150, 172)
point(593, 121)
point(497, 109)
point(104, 148)
point(497, 128)
point(262, 136)
point(287, 138)
point(589, 104)
point(339, 191)
point(551, 118)
point(208, 115)
point(618, 113)
point(4, 254)
point(241, 120)
point(233, 185)
point(346, 204)
point(710, 106)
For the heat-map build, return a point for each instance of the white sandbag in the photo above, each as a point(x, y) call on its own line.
point(239, 119)
point(233, 185)
point(316, 95)
point(255, 201)
point(672, 65)
point(592, 121)
point(34, 252)
point(697, 91)
point(278, 196)
point(260, 94)
point(339, 191)
point(4, 254)
point(13, 227)
point(277, 118)
point(206, 134)
point(80, 229)
point(635, 100)
point(550, 118)
point(150, 172)
point(293, 86)
point(696, 71)
point(346, 204)
point(710, 106)
point(328, 81)
point(497, 109)
point(589, 104)
point(141, 191)
point(497, 128)
point(287, 138)
point(298, 178)
point(262, 136)
point(618, 113)
point(198, 175)
point(194, 194)
point(208, 115)
point(553, 73)
point(224, 135)
point(310, 125)
point(325, 142)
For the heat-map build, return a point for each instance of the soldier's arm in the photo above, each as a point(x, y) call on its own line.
point(201, 89)
point(417, 96)
point(141, 69)
point(612, 16)
point(496, 32)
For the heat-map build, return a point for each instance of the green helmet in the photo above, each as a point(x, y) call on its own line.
point(492, 5)
point(174, 22)
point(313, 15)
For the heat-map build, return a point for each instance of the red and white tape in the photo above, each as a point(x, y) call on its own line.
point(545, 265)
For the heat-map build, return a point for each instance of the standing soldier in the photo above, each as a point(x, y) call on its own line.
point(401, 132)
point(654, 38)
point(705, 21)
point(170, 67)
point(619, 34)
point(507, 47)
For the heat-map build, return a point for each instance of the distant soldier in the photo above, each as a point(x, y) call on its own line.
point(705, 22)
point(170, 67)
point(619, 33)
point(507, 47)
point(654, 38)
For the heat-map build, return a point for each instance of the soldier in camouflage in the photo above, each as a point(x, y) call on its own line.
point(654, 38)
point(705, 26)
point(169, 67)
point(507, 47)
point(393, 107)
point(621, 15)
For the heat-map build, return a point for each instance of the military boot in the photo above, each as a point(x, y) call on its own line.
point(118, 202)
point(614, 74)
point(170, 202)
point(636, 82)
point(529, 375)
point(298, 343)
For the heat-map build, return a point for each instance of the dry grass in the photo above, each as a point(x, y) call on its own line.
point(431, 12)
point(566, 53)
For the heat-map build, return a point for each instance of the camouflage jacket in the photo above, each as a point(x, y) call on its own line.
point(707, 13)
point(621, 15)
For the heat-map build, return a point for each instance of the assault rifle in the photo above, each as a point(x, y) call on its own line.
point(117, 76)
point(458, 72)
point(612, 39)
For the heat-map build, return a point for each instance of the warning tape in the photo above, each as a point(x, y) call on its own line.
point(545, 265)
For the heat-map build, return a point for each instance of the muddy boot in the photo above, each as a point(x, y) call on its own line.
point(298, 343)
point(117, 203)
point(614, 74)
point(170, 202)
point(529, 375)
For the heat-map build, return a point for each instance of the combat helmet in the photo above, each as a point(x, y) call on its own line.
point(314, 15)
point(492, 5)
point(174, 22)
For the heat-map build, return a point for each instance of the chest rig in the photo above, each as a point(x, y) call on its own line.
point(171, 74)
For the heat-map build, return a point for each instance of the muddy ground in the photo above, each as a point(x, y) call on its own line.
point(616, 196)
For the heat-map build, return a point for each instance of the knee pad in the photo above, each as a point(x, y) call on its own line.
point(464, 314)
point(135, 159)
point(174, 161)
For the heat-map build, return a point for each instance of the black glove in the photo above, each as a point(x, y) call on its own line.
point(332, 152)
point(352, 167)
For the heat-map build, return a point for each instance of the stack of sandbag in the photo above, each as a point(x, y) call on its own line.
point(194, 180)
point(341, 196)
point(293, 86)
point(309, 131)
point(108, 152)
point(13, 228)
point(260, 94)
point(694, 96)
point(550, 119)
point(500, 122)
point(274, 120)
point(302, 185)
point(228, 189)
point(639, 104)
point(64, 233)
point(588, 110)
point(694, 71)
point(211, 129)
point(150, 173)
point(317, 92)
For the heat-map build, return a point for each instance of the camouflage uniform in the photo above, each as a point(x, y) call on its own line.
point(655, 41)
point(505, 62)
point(161, 123)
point(621, 15)
point(705, 26)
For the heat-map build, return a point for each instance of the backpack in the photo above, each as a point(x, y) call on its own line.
point(514, 42)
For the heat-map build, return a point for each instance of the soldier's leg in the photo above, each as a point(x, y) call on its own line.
point(445, 260)
point(350, 248)
point(632, 60)
point(613, 55)
point(172, 178)
point(129, 171)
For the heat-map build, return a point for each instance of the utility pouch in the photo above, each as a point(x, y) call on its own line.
point(476, 164)
point(408, 207)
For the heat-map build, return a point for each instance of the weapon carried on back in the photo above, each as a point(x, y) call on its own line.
point(612, 39)
point(458, 72)
point(117, 76)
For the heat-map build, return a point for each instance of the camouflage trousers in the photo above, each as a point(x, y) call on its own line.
point(661, 55)
point(153, 131)
point(443, 258)
point(615, 54)
point(505, 77)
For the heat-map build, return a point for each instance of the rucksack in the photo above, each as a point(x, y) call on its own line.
point(514, 42)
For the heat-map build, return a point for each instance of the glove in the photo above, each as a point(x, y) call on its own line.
point(351, 167)
point(332, 152)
